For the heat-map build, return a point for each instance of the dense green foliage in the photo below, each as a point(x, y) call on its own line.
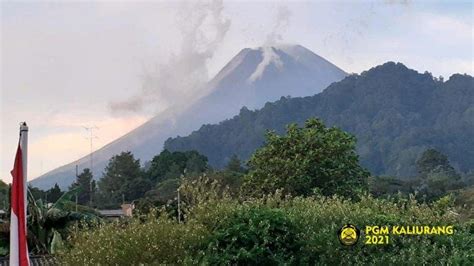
point(274, 229)
point(436, 175)
point(157, 240)
point(4, 197)
point(235, 165)
point(254, 236)
point(395, 113)
point(122, 180)
point(155, 184)
point(247, 217)
point(433, 161)
point(48, 223)
point(168, 165)
point(308, 158)
point(50, 195)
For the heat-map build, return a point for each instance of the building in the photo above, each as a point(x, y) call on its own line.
point(125, 211)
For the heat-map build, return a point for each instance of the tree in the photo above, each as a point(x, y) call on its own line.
point(37, 192)
point(54, 193)
point(86, 187)
point(307, 158)
point(136, 189)
point(4, 195)
point(120, 174)
point(196, 163)
point(235, 165)
point(437, 175)
point(169, 165)
point(433, 161)
point(48, 223)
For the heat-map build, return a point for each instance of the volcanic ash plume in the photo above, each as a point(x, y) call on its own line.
point(203, 28)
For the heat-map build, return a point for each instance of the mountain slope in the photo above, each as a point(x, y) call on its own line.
point(395, 113)
point(252, 78)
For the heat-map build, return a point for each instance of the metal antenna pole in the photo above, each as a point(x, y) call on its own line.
point(77, 176)
point(92, 136)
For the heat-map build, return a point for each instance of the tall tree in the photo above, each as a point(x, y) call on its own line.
point(196, 163)
point(235, 165)
point(121, 173)
point(312, 157)
point(54, 193)
point(433, 160)
point(437, 175)
point(87, 186)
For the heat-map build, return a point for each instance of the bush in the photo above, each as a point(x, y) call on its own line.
point(150, 242)
point(253, 236)
point(322, 217)
point(277, 230)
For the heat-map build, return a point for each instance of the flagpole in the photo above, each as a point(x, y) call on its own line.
point(18, 223)
point(24, 151)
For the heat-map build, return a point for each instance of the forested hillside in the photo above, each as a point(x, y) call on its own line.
point(396, 113)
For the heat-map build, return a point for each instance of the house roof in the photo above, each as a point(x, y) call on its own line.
point(111, 213)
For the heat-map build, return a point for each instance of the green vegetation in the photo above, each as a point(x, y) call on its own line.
point(273, 230)
point(168, 165)
point(122, 180)
point(396, 114)
point(241, 217)
point(48, 224)
point(50, 195)
point(4, 197)
point(286, 208)
point(125, 181)
point(253, 235)
point(308, 158)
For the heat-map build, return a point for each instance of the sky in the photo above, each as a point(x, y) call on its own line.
point(66, 65)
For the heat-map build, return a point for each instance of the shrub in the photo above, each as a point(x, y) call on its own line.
point(150, 242)
point(253, 236)
point(276, 230)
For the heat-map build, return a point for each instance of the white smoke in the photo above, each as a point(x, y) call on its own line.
point(203, 28)
point(282, 21)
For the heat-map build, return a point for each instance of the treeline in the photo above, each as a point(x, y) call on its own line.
point(283, 163)
point(154, 184)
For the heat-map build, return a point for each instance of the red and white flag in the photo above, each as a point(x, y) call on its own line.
point(18, 244)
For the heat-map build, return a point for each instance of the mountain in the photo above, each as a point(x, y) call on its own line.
point(395, 113)
point(252, 78)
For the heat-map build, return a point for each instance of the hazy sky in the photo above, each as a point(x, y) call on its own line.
point(65, 64)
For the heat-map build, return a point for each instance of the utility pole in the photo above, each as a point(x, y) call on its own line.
point(179, 208)
point(91, 137)
point(77, 176)
point(179, 198)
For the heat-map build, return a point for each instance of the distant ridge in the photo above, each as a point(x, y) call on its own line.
point(395, 113)
point(252, 78)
